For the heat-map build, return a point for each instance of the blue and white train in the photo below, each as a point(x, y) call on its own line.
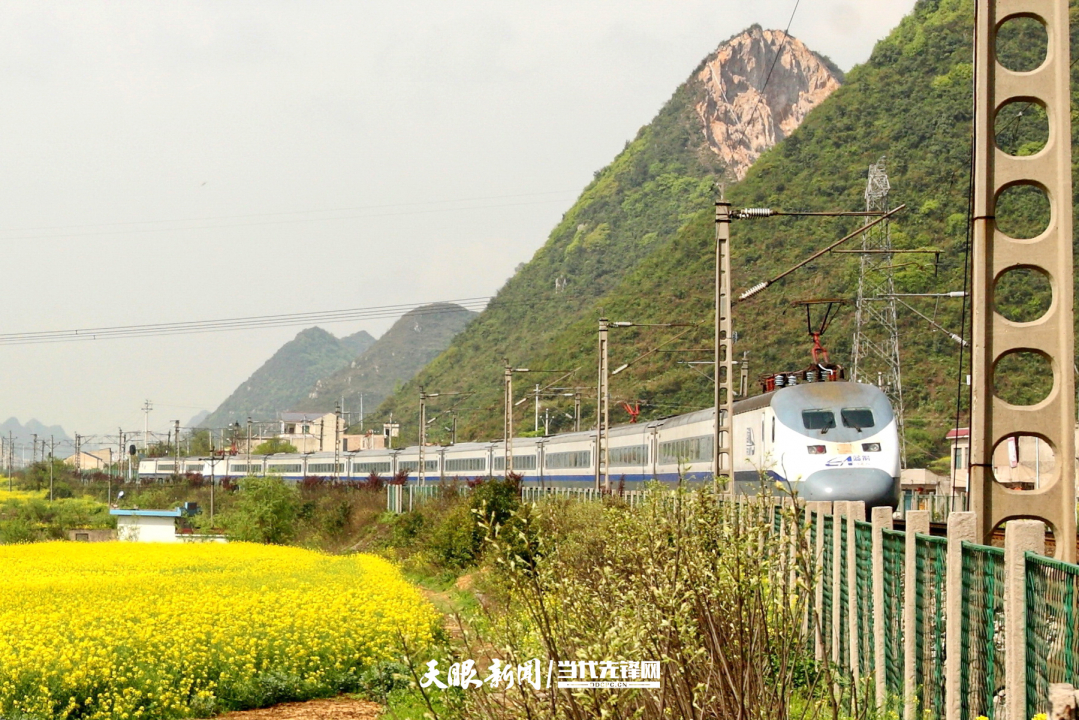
point(823, 441)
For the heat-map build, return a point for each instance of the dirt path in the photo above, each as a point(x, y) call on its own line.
point(335, 709)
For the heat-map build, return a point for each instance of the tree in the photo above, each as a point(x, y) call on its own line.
point(274, 445)
point(266, 511)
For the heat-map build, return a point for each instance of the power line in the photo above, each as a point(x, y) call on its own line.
point(242, 323)
point(775, 60)
point(786, 36)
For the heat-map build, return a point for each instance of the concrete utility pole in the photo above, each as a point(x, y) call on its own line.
point(724, 338)
point(52, 451)
point(33, 451)
point(146, 408)
point(507, 425)
point(993, 421)
point(177, 470)
point(576, 411)
point(213, 462)
point(78, 456)
point(603, 412)
point(337, 442)
point(248, 444)
point(536, 422)
point(421, 468)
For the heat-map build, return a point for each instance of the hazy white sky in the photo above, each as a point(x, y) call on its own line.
point(115, 114)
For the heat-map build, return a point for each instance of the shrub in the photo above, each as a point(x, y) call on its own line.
point(266, 511)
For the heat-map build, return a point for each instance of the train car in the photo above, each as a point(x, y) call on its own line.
point(408, 461)
point(362, 464)
point(157, 468)
point(290, 467)
point(831, 441)
point(466, 461)
point(822, 441)
point(240, 466)
point(568, 459)
point(325, 465)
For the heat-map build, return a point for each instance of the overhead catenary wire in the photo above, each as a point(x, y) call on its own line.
point(762, 285)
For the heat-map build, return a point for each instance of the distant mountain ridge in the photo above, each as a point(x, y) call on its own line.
point(412, 342)
point(286, 377)
point(24, 434)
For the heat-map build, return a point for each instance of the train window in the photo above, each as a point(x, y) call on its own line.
point(465, 464)
point(568, 460)
point(520, 462)
point(629, 456)
point(857, 418)
point(818, 419)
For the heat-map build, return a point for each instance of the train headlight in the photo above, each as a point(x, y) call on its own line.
point(816, 449)
point(870, 447)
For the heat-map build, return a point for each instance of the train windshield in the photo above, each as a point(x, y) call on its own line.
point(818, 419)
point(857, 418)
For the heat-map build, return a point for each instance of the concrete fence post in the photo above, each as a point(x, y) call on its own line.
point(1063, 702)
point(882, 520)
point(795, 529)
point(962, 527)
point(855, 514)
point(840, 510)
point(820, 510)
point(917, 524)
point(1020, 536)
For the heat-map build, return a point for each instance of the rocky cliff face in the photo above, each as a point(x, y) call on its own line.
point(741, 115)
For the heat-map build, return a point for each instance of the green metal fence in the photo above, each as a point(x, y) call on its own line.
point(863, 548)
point(1052, 628)
point(931, 556)
point(894, 561)
point(981, 680)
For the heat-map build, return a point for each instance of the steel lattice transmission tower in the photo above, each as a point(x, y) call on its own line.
point(876, 333)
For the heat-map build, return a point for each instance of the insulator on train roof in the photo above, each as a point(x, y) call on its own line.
point(745, 213)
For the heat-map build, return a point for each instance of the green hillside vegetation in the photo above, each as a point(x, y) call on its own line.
point(910, 102)
point(413, 341)
point(287, 377)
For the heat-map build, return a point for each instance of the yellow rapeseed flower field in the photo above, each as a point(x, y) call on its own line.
point(128, 630)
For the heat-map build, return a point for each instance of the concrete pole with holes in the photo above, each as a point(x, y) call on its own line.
point(994, 254)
